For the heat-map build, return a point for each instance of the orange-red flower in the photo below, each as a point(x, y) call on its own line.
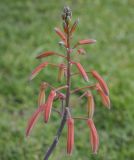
point(45, 54)
point(90, 104)
point(82, 71)
point(48, 106)
point(65, 27)
point(86, 41)
point(37, 70)
point(101, 81)
point(61, 71)
point(61, 34)
point(74, 26)
point(33, 120)
point(70, 135)
point(94, 138)
point(104, 97)
point(41, 97)
point(49, 53)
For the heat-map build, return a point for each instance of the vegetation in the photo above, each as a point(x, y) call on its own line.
point(26, 29)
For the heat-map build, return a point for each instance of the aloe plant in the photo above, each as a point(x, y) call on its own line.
point(65, 74)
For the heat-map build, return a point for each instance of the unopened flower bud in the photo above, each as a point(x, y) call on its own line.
point(67, 14)
point(65, 27)
point(94, 138)
point(70, 135)
point(48, 106)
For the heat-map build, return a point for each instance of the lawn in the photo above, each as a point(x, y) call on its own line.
point(26, 29)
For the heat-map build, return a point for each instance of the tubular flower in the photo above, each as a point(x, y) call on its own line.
point(101, 81)
point(90, 104)
point(74, 26)
point(48, 106)
point(61, 34)
point(70, 135)
point(49, 53)
point(82, 71)
point(41, 98)
point(37, 70)
point(65, 27)
point(61, 72)
point(94, 138)
point(86, 41)
point(104, 97)
point(45, 54)
point(33, 120)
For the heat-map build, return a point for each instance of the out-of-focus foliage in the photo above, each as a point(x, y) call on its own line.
point(26, 29)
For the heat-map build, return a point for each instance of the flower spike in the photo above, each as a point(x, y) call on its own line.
point(94, 138)
point(37, 70)
point(63, 97)
point(48, 106)
point(101, 81)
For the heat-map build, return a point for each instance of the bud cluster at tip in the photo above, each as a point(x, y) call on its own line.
point(67, 14)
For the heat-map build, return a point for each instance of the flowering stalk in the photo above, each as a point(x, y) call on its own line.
point(65, 73)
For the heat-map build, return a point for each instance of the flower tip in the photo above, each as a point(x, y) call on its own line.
point(94, 41)
point(70, 135)
point(27, 134)
point(109, 107)
point(108, 102)
point(95, 153)
point(30, 78)
point(87, 80)
point(55, 28)
point(45, 120)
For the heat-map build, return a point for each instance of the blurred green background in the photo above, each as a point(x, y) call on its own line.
point(26, 29)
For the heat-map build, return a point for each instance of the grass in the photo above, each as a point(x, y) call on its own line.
point(26, 29)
